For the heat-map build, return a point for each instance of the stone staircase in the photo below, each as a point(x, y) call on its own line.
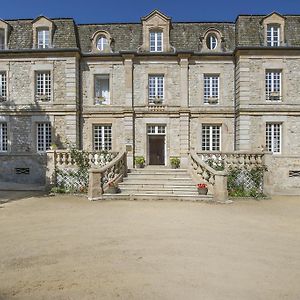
point(159, 184)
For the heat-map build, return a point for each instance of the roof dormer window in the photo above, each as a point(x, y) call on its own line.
point(156, 41)
point(43, 38)
point(211, 41)
point(273, 35)
point(102, 43)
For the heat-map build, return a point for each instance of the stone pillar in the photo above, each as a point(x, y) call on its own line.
point(95, 191)
point(269, 175)
point(50, 170)
point(128, 114)
point(220, 188)
point(184, 138)
point(184, 80)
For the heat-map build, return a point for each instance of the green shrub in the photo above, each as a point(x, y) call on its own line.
point(139, 160)
point(175, 162)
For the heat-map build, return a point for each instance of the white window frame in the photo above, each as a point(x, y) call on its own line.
point(43, 38)
point(43, 85)
point(102, 43)
point(3, 86)
point(156, 129)
point(104, 136)
point(100, 99)
point(156, 41)
point(273, 133)
point(214, 131)
point(156, 88)
point(212, 41)
point(211, 88)
point(272, 39)
point(43, 136)
point(3, 137)
point(273, 85)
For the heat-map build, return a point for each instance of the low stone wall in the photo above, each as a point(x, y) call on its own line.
point(280, 178)
point(23, 168)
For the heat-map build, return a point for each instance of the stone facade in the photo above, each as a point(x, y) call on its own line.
point(238, 56)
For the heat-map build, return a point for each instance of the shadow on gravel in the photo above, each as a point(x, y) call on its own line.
point(9, 196)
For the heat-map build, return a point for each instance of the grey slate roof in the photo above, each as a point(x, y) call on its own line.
point(124, 36)
point(250, 32)
point(183, 36)
point(21, 34)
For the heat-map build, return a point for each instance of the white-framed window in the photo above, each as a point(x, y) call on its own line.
point(43, 136)
point(211, 137)
point(211, 88)
point(43, 85)
point(102, 43)
point(101, 92)
point(156, 41)
point(43, 38)
point(156, 88)
point(273, 35)
point(3, 86)
point(2, 39)
point(211, 41)
point(3, 137)
point(156, 129)
point(273, 137)
point(102, 137)
point(273, 85)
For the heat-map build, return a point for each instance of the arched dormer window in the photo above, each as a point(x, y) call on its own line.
point(101, 41)
point(43, 32)
point(156, 40)
point(273, 26)
point(273, 35)
point(4, 34)
point(211, 40)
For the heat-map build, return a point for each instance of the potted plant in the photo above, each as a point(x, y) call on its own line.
point(202, 189)
point(139, 161)
point(175, 162)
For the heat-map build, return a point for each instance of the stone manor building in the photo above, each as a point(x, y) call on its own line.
point(156, 88)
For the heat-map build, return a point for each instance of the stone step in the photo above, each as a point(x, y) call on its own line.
point(161, 176)
point(157, 171)
point(155, 197)
point(164, 191)
point(158, 186)
point(159, 181)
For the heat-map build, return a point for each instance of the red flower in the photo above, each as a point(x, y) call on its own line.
point(201, 186)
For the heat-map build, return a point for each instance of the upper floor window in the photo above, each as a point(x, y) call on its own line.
point(43, 86)
point(211, 89)
point(273, 35)
point(2, 39)
point(156, 88)
point(43, 131)
point(102, 43)
point(43, 38)
point(211, 41)
point(156, 41)
point(102, 136)
point(3, 86)
point(101, 83)
point(3, 137)
point(211, 137)
point(273, 137)
point(273, 85)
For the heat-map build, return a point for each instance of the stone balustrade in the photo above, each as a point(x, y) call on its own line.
point(236, 159)
point(202, 173)
point(111, 173)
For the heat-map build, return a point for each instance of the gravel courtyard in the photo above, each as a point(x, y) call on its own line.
point(69, 248)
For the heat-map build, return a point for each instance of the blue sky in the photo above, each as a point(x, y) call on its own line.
point(101, 11)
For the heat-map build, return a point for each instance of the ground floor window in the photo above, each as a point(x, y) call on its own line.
point(43, 136)
point(273, 137)
point(3, 137)
point(102, 137)
point(211, 137)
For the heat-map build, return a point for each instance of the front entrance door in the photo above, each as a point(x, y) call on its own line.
point(156, 150)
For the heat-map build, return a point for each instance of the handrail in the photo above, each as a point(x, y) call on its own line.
point(215, 180)
point(111, 173)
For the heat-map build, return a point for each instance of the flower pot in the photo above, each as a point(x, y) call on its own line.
point(202, 191)
point(112, 190)
point(140, 166)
